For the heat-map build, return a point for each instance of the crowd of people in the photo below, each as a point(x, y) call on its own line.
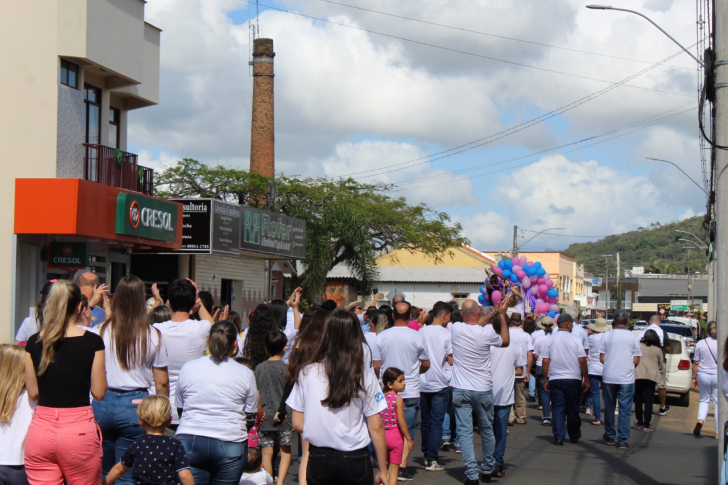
point(103, 389)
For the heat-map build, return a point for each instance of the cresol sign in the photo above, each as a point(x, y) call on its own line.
point(146, 217)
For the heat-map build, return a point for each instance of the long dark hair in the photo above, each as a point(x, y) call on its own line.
point(279, 310)
point(129, 323)
point(341, 351)
point(306, 318)
point(307, 341)
point(261, 324)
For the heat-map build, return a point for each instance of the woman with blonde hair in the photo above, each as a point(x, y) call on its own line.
point(136, 353)
point(16, 411)
point(63, 365)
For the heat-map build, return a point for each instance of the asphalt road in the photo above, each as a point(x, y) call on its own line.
point(669, 455)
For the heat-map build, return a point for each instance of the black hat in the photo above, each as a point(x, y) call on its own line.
point(620, 316)
point(564, 318)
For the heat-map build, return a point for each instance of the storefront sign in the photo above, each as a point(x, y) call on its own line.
point(274, 234)
point(196, 218)
point(145, 217)
point(67, 255)
point(225, 228)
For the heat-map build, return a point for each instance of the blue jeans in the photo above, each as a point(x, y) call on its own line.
point(479, 405)
point(594, 383)
point(500, 430)
point(119, 423)
point(532, 386)
point(565, 395)
point(215, 462)
point(449, 430)
point(624, 394)
point(434, 408)
point(411, 407)
point(544, 395)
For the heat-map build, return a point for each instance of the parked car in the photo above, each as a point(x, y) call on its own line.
point(678, 368)
point(685, 331)
point(640, 325)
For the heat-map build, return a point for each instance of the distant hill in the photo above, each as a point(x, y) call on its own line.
point(657, 248)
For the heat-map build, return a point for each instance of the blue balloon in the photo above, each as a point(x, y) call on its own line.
point(502, 264)
point(509, 264)
point(540, 272)
point(552, 293)
point(537, 265)
point(514, 277)
point(526, 268)
point(506, 273)
point(483, 290)
point(531, 271)
point(481, 299)
point(552, 313)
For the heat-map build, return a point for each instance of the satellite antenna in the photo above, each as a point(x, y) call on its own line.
point(253, 33)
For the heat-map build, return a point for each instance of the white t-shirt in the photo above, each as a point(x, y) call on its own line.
point(535, 335)
point(214, 397)
point(438, 347)
point(12, 434)
point(27, 328)
point(261, 477)
point(706, 352)
point(595, 365)
point(519, 337)
point(660, 333)
point(342, 429)
point(185, 341)
point(504, 364)
point(403, 348)
point(620, 346)
point(471, 345)
point(140, 377)
point(291, 331)
point(579, 332)
point(241, 341)
point(563, 351)
point(540, 345)
point(371, 339)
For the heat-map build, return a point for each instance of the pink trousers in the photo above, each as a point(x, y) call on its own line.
point(63, 443)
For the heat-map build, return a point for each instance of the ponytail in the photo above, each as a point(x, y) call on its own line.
point(222, 339)
point(60, 306)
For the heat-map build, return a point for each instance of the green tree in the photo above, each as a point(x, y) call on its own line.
point(347, 222)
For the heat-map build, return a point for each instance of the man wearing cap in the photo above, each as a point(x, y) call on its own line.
point(596, 367)
point(545, 325)
point(522, 341)
point(665, 344)
point(566, 376)
point(620, 353)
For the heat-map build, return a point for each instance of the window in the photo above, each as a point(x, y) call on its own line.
point(114, 127)
point(460, 296)
point(92, 97)
point(69, 74)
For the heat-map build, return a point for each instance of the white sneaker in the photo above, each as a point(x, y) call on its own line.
point(433, 466)
point(589, 412)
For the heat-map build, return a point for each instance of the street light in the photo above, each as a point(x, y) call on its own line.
point(609, 7)
point(697, 240)
point(683, 171)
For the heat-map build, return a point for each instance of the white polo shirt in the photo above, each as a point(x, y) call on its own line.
point(403, 348)
point(540, 346)
point(504, 364)
point(563, 351)
point(619, 347)
point(471, 345)
point(342, 429)
point(658, 330)
point(579, 332)
point(438, 346)
point(518, 336)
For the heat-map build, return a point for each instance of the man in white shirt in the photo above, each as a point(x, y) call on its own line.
point(404, 348)
point(185, 339)
point(661, 389)
point(566, 376)
point(521, 340)
point(539, 337)
point(472, 383)
point(620, 353)
point(435, 383)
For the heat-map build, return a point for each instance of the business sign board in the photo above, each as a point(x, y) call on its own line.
point(596, 281)
point(225, 228)
point(67, 255)
point(196, 218)
point(273, 234)
point(146, 217)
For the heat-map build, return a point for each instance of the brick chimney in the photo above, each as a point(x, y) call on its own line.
point(262, 129)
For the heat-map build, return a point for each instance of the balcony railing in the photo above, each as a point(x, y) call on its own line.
point(117, 168)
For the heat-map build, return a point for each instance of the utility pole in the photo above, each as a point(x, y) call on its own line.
point(721, 190)
point(514, 253)
point(606, 288)
point(619, 284)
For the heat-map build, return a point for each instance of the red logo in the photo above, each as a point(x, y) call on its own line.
point(134, 215)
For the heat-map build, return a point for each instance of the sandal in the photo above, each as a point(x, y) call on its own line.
point(597, 423)
point(647, 429)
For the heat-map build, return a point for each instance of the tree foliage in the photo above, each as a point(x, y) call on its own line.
point(347, 222)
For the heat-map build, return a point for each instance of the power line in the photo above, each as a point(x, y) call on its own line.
point(458, 51)
point(462, 29)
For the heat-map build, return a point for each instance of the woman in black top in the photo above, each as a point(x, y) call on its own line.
point(63, 365)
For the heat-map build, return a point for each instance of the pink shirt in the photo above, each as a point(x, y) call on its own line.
point(414, 325)
point(389, 415)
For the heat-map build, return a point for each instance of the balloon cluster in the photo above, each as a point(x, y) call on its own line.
point(536, 284)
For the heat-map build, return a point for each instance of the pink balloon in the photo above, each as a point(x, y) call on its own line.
point(530, 263)
point(523, 259)
point(533, 278)
point(526, 283)
point(549, 283)
point(497, 270)
point(496, 297)
point(540, 281)
point(521, 275)
point(516, 262)
point(516, 268)
point(547, 277)
point(554, 307)
point(542, 289)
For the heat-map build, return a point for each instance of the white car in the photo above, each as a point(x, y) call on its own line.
point(678, 369)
